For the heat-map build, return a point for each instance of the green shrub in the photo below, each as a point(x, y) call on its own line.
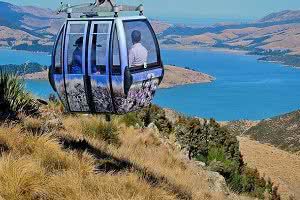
point(14, 99)
point(99, 128)
point(146, 116)
point(214, 145)
point(131, 119)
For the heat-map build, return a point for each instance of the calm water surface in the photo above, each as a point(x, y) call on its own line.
point(244, 89)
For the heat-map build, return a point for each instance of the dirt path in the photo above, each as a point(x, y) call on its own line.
point(281, 166)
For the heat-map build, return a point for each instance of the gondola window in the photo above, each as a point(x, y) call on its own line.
point(141, 46)
point(99, 49)
point(76, 48)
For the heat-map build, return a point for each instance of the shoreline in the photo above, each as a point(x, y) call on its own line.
point(211, 49)
point(281, 60)
point(174, 76)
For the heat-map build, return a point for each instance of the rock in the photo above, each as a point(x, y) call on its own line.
point(200, 164)
point(154, 128)
point(218, 183)
point(171, 115)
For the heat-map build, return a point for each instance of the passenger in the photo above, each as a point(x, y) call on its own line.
point(138, 54)
point(76, 67)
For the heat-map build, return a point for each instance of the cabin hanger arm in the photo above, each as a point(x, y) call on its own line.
point(98, 7)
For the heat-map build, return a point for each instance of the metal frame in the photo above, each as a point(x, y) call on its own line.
point(100, 6)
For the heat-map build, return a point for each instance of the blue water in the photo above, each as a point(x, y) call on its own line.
point(244, 89)
point(19, 57)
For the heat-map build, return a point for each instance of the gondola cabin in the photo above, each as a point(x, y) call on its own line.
point(106, 65)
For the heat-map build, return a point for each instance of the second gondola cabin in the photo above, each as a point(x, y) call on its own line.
point(106, 64)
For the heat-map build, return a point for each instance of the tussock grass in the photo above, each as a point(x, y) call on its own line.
point(33, 125)
point(82, 161)
point(21, 178)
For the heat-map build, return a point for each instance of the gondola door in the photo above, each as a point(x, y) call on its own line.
point(74, 65)
point(98, 66)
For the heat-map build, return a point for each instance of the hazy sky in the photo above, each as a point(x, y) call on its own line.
point(195, 8)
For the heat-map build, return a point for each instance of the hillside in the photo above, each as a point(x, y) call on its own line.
point(285, 15)
point(34, 29)
point(276, 37)
point(27, 25)
point(277, 31)
point(47, 153)
point(59, 156)
point(282, 131)
point(281, 166)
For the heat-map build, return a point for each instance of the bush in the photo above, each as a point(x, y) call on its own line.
point(214, 145)
point(146, 116)
point(156, 115)
point(131, 119)
point(14, 99)
point(99, 128)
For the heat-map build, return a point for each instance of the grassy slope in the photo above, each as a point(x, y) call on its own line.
point(282, 131)
point(281, 166)
point(54, 157)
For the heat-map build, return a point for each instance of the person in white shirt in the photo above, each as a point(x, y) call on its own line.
point(138, 54)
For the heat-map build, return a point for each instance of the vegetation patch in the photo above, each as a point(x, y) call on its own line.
point(282, 131)
point(99, 128)
point(14, 99)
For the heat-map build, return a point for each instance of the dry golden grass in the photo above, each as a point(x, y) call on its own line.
point(70, 163)
point(281, 166)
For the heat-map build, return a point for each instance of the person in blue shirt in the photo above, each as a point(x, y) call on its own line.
point(76, 67)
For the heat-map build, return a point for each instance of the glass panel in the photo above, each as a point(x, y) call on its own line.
point(101, 28)
point(58, 54)
point(116, 70)
point(77, 28)
point(75, 49)
point(100, 43)
point(140, 43)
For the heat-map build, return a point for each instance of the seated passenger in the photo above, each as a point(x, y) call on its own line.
point(76, 67)
point(138, 54)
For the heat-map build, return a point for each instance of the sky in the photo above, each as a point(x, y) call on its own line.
point(250, 9)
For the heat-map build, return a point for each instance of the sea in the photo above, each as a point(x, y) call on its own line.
point(245, 88)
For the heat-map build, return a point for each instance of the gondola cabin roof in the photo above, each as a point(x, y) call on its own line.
point(107, 18)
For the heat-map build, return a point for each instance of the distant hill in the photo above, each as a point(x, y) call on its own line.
point(21, 27)
point(282, 131)
point(276, 36)
point(285, 15)
point(34, 29)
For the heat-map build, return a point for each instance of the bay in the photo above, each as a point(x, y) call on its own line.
point(244, 88)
